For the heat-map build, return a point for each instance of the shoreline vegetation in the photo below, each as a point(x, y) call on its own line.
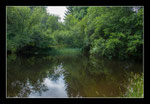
point(109, 32)
point(136, 86)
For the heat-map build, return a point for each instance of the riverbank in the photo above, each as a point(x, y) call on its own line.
point(136, 86)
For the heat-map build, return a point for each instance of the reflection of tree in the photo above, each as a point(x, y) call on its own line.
point(27, 74)
point(94, 78)
point(84, 77)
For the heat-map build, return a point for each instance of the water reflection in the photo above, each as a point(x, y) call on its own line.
point(67, 76)
point(54, 88)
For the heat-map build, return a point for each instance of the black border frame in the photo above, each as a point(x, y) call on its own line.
point(62, 3)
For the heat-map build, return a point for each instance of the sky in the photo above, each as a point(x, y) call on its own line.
point(57, 10)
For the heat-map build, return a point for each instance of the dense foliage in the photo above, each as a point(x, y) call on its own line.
point(112, 32)
point(30, 26)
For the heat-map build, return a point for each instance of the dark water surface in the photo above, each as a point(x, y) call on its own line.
point(67, 76)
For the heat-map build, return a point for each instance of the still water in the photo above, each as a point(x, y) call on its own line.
point(66, 76)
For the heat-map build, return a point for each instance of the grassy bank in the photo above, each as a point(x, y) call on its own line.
point(136, 86)
point(62, 51)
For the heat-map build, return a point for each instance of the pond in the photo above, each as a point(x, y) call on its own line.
point(63, 76)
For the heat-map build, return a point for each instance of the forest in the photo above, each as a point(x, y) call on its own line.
point(111, 32)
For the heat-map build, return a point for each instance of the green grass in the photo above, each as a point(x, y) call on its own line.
point(62, 51)
point(68, 51)
point(136, 86)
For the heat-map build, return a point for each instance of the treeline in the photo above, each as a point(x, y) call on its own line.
point(112, 32)
point(108, 31)
point(30, 27)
